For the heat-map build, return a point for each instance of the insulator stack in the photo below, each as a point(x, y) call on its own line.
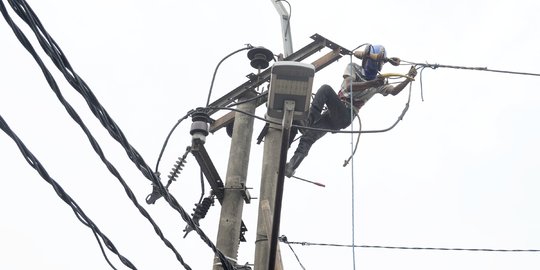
point(180, 163)
point(178, 166)
point(199, 212)
point(202, 208)
point(199, 126)
point(260, 57)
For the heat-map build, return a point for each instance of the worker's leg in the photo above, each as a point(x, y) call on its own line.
point(306, 141)
point(324, 95)
point(339, 113)
point(340, 116)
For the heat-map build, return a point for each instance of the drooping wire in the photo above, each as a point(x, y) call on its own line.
point(168, 137)
point(359, 46)
point(351, 105)
point(202, 185)
point(53, 50)
point(346, 162)
point(283, 239)
point(248, 100)
point(421, 83)
point(405, 109)
point(102, 250)
point(409, 248)
point(248, 46)
point(311, 128)
point(79, 213)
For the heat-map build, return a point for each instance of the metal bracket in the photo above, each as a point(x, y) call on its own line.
point(209, 170)
point(318, 43)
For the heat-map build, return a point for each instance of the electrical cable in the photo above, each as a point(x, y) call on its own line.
point(317, 129)
point(248, 100)
point(346, 162)
point(248, 46)
point(435, 66)
point(167, 139)
point(361, 45)
point(103, 250)
point(284, 240)
point(422, 84)
point(95, 145)
point(53, 50)
point(202, 185)
point(56, 55)
point(79, 213)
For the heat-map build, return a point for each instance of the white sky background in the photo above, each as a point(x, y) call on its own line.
point(460, 171)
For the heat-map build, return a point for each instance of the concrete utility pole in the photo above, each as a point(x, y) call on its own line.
point(271, 156)
point(269, 178)
point(228, 238)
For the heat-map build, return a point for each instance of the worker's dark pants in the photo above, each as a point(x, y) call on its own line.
point(338, 116)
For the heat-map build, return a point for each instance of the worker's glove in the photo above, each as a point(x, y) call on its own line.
point(379, 81)
point(412, 72)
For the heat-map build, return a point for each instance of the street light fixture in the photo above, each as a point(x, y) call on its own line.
point(288, 98)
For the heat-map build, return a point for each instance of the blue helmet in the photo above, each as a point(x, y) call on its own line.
point(373, 60)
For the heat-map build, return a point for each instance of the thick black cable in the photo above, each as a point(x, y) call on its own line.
point(79, 213)
point(202, 186)
point(103, 251)
point(59, 59)
point(248, 46)
point(93, 142)
point(156, 170)
point(184, 118)
point(248, 100)
point(319, 129)
point(186, 217)
point(364, 44)
point(284, 240)
point(53, 50)
point(167, 139)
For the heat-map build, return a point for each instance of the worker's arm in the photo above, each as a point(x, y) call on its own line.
point(361, 86)
point(410, 76)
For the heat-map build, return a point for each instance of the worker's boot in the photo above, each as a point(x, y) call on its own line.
point(295, 161)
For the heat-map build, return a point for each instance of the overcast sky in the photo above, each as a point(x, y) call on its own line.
point(460, 171)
